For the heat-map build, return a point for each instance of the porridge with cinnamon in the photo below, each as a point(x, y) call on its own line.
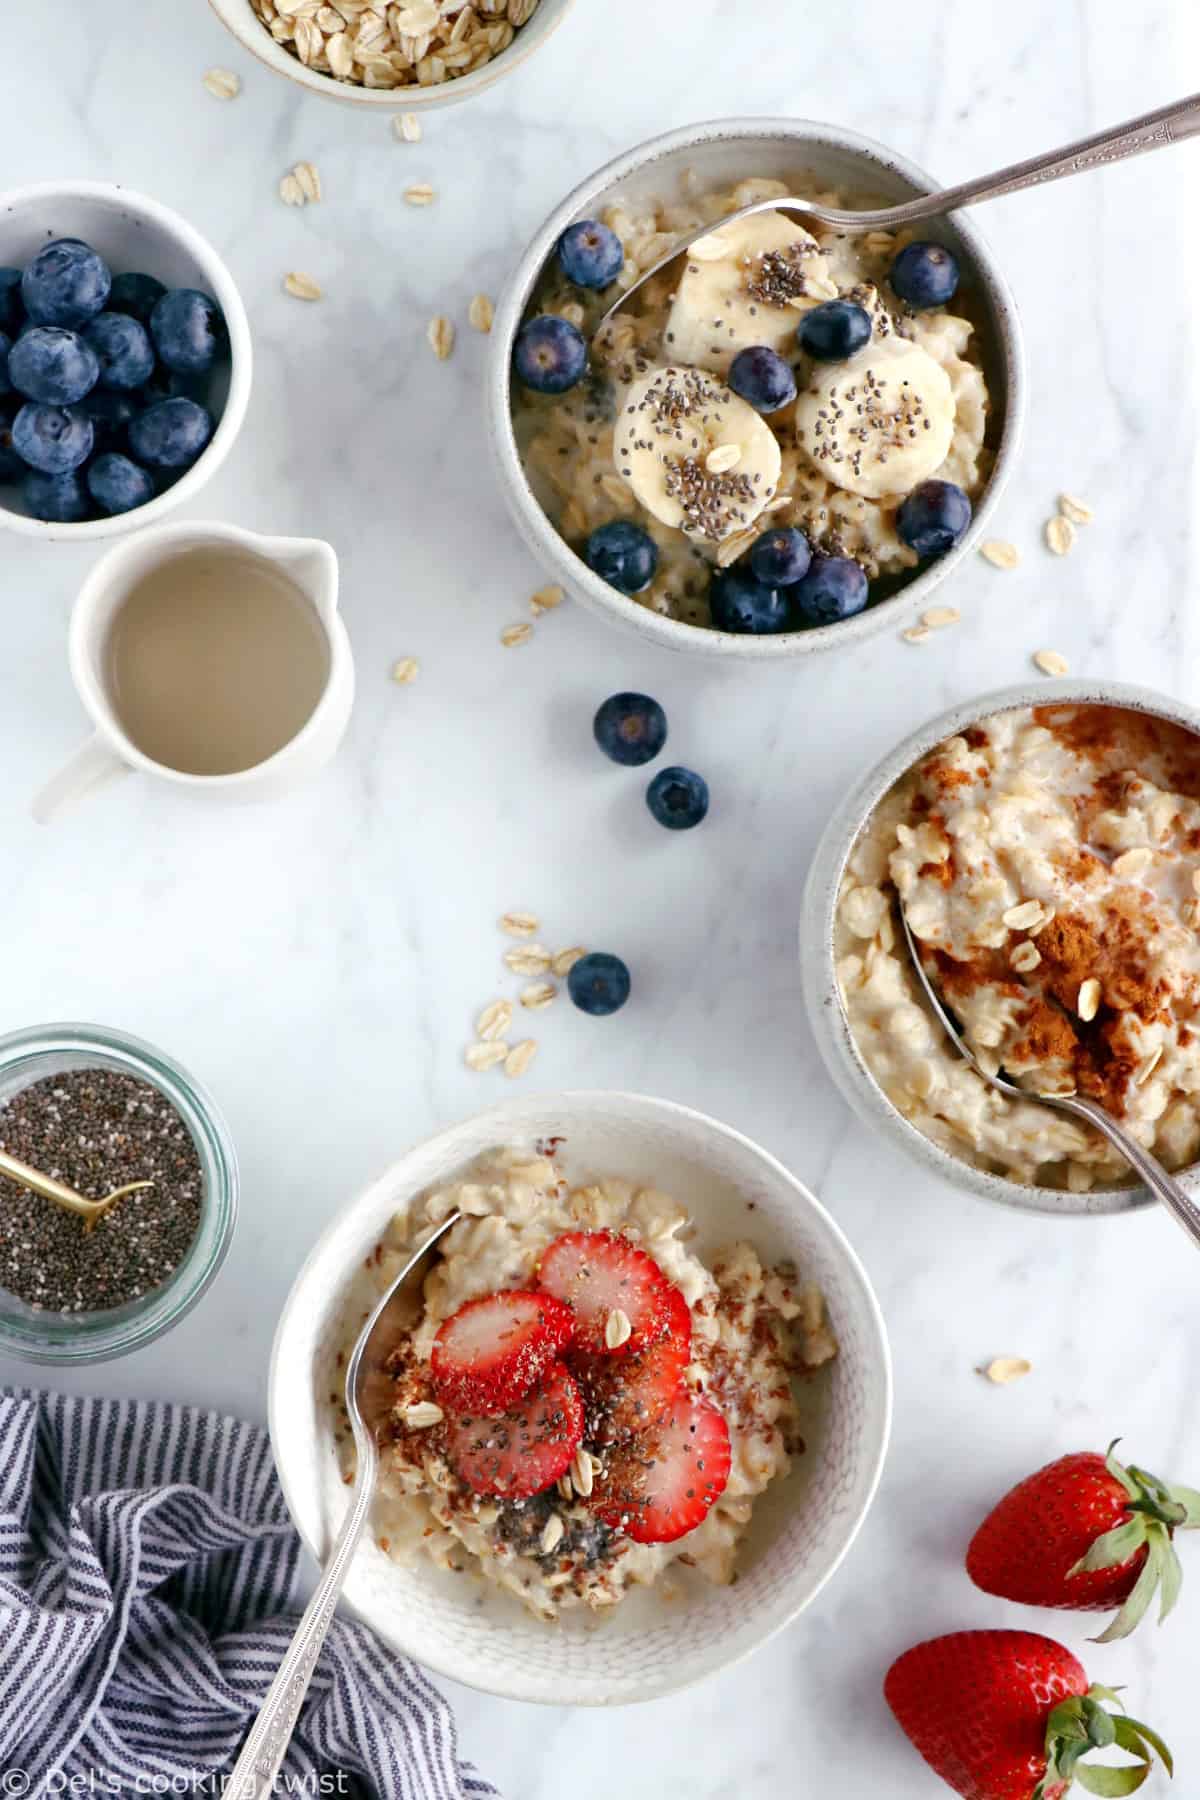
point(1049, 864)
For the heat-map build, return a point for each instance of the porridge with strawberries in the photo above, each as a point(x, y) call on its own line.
point(772, 380)
point(1049, 864)
point(582, 1402)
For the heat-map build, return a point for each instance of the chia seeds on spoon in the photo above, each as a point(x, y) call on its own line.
point(96, 1130)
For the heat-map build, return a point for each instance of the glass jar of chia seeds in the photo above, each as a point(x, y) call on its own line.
point(102, 1102)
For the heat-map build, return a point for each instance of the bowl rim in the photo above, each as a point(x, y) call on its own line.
point(240, 20)
point(241, 358)
point(822, 993)
point(489, 1675)
point(546, 543)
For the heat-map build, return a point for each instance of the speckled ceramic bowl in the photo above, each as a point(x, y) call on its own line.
point(802, 1526)
point(722, 152)
point(826, 1011)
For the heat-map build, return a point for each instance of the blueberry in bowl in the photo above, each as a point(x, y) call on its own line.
point(52, 439)
point(123, 350)
point(56, 499)
point(741, 602)
point(591, 254)
point(117, 484)
point(934, 517)
point(834, 588)
point(925, 275)
point(623, 554)
point(67, 283)
point(762, 378)
point(170, 434)
point(53, 365)
point(834, 331)
point(550, 355)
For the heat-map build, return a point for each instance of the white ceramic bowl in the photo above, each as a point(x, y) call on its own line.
point(721, 153)
point(802, 1527)
point(131, 231)
point(241, 19)
point(823, 999)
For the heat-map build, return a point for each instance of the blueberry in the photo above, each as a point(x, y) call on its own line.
point(630, 728)
point(6, 386)
point(741, 603)
point(117, 485)
point(925, 275)
point(590, 254)
point(65, 284)
point(123, 349)
point(550, 354)
point(623, 555)
point(780, 558)
point(933, 518)
point(171, 434)
point(678, 798)
point(59, 499)
point(189, 331)
point(11, 466)
point(136, 295)
point(834, 588)
point(110, 414)
point(834, 331)
point(599, 984)
point(53, 365)
point(52, 439)
point(762, 377)
point(11, 310)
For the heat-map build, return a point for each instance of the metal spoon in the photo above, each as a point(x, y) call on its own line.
point(368, 1403)
point(1162, 1185)
point(1168, 125)
point(62, 1195)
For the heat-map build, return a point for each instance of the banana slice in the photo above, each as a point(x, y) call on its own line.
point(880, 422)
point(697, 457)
point(745, 283)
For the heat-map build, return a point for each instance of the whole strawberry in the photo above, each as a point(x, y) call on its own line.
point(1008, 1715)
point(1086, 1533)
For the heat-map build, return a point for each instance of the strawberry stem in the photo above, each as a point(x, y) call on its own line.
point(1083, 1724)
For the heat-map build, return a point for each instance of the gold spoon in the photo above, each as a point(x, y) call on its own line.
point(61, 1194)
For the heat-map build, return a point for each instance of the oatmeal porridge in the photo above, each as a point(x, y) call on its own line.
point(615, 1388)
point(665, 423)
point(1049, 864)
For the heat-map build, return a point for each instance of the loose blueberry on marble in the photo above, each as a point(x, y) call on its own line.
point(11, 309)
point(740, 602)
point(135, 294)
point(630, 728)
point(550, 354)
point(678, 798)
point(189, 331)
point(835, 588)
point(835, 330)
point(170, 434)
point(762, 378)
point(110, 414)
point(123, 350)
point(117, 484)
point(52, 439)
point(780, 558)
point(11, 466)
point(65, 284)
point(590, 254)
point(924, 275)
point(55, 366)
point(622, 554)
point(57, 499)
point(933, 518)
point(599, 984)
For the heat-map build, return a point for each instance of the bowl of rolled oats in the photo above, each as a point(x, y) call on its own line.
point(784, 443)
point(1045, 842)
point(509, 1549)
point(411, 53)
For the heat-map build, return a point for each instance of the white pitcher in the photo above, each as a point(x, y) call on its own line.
point(309, 564)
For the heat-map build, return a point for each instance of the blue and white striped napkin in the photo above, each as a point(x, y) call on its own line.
point(146, 1559)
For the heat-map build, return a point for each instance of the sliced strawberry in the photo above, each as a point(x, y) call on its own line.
point(599, 1273)
point(658, 1487)
point(625, 1395)
point(495, 1349)
point(527, 1447)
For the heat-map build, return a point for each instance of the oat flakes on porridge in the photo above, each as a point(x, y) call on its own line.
point(829, 444)
point(1049, 863)
point(625, 1404)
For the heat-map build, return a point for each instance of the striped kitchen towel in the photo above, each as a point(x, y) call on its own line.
point(146, 1559)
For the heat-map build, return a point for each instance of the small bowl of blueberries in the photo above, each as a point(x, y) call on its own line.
point(125, 360)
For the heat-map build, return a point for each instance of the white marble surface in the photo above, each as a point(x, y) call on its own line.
point(318, 963)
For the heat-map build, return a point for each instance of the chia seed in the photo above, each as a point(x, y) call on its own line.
point(96, 1130)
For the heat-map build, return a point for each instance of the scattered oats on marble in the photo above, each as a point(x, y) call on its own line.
point(440, 333)
point(916, 634)
point(519, 1058)
point(223, 84)
point(937, 616)
point(1003, 1369)
point(301, 185)
point(494, 1020)
point(527, 959)
point(407, 128)
point(1060, 535)
point(545, 600)
point(481, 313)
point(290, 191)
point(519, 924)
point(512, 635)
point(537, 995)
point(999, 554)
point(563, 961)
point(1078, 511)
point(406, 670)
point(420, 194)
point(1050, 662)
point(484, 1056)
point(301, 286)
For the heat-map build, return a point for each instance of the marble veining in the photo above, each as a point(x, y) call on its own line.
point(318, 962)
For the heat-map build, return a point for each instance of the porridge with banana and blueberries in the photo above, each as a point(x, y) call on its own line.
point(582, 1402)
point(778, 428)
point(1048, 860)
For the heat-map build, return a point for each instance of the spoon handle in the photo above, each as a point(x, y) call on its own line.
point(254, 1772)
point(1167, 125)
point(1162, 1185)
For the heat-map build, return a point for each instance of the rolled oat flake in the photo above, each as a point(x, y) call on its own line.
point(96, 1129)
